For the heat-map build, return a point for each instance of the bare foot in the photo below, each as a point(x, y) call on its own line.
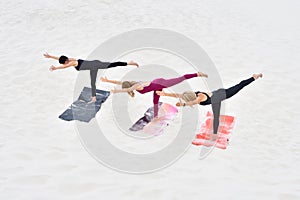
point(256, 76)
point(93, 100)
point(156, 119)
point(213, 137)
point(202, 74)
point(133, 63)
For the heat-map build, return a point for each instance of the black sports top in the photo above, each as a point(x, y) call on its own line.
point(207, 101)
point(79, 64)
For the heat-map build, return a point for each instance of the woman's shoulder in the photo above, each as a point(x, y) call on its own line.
point(199, 93)
point(74, 63)
point(73, 59)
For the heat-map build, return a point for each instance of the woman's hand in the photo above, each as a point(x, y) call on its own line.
point(104, 79)
point(161, 93)
point(52, 68)
point(46, 55)
point(114, 90)
point(178, 104)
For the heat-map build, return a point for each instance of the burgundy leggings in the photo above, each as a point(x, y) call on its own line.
point(160, 83)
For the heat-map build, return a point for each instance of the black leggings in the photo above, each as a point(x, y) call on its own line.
point(94, 71)
point(222, 94)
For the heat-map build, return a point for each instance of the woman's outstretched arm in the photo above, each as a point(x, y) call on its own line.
point(105, 79)
point(70, 64)
point(190, 103)
point(134, 87)
point(175, 95)
point(46, 55)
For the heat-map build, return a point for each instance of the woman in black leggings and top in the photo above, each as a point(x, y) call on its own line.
point(214, 99)
point(93, 66)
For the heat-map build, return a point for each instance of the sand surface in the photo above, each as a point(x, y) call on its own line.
point(42, 157)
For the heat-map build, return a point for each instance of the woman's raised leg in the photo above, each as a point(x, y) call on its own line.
point(165, 83)
point(235, 89)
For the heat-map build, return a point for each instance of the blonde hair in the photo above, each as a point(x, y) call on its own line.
point(189, 96)
point(128, 84)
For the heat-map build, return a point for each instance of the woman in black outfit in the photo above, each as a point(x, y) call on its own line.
point(93, 66)
point(214, 98)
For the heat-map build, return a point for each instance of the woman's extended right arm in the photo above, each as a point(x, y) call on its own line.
point(70, 64)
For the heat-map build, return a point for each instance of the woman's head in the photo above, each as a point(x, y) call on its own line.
point(128, 84)
point(189, 96)
point(63, 59)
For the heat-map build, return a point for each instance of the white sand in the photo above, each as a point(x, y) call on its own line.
point(41, 156)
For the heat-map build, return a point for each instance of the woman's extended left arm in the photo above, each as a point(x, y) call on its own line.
point(46, 55)
point(163, 93)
